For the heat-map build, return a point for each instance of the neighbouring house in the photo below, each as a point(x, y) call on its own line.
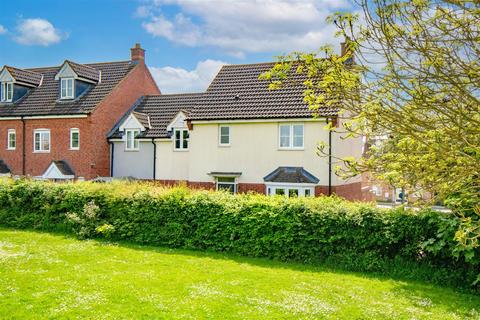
point(238, 135)
point(54, 120)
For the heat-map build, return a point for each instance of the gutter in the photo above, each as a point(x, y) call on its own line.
point(154, 159)
point(112, 153)
point(330, 161)
point(24, 154)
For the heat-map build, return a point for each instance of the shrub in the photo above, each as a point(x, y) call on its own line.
point(355, 236)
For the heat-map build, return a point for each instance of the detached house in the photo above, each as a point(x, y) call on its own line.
point(238, 135)
point(54, 120)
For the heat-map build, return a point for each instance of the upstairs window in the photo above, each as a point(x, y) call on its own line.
point(132, 144)
point(7, 91)
point(66, 88)
point(182, 137)
point(224, 136)
point(41, 141)
point(12, 139)
point(291, 136)
point(74, 139)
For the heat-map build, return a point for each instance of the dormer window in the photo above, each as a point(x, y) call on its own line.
point(7, 92)
point(67, 88)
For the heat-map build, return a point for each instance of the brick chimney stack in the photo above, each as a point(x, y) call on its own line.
point(138, 54)
point(343, 49)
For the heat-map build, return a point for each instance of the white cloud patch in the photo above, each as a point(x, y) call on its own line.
point(38, 32)
point(245, 25)
point(2, 29)
point(176, 80)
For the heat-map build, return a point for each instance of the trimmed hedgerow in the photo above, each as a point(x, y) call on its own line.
point(354, 236)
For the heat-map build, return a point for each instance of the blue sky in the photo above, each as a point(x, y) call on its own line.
point(186, 40)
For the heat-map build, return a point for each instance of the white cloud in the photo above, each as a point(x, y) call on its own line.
point(38, 32)
point(2, 29)
point(175, 80)
point(245, 25)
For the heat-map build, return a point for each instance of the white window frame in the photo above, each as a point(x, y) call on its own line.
point(11, 132)
point(41, 132)
point(134, 143)
point(291, 137)
point(182, 139)
point(72, 131)
point(234, 183)
point(63, 83)
point(7, 95)
point(220, 136)
point(302, 190)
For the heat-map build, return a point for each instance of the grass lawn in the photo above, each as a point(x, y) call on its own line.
point(52, 276)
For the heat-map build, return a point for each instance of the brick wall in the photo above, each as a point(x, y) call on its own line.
point(93, 158)
point(13, 158)
point(251, 187)
point(139, 82)
point(353, 191)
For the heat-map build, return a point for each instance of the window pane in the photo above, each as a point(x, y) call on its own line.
point(298, 135)
point(37, 141)
point(285, 136)
point(45, 141)
point(75, 139)
point(226, 186)
point(226, 179)
point(9, 91)
point(70, 87)
point(224, 135)
point(185, 139)
point(307, 192)
point(293, 193)
point(280, 192)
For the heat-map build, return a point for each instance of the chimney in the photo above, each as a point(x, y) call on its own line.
point(343, 49)
point(138, 54)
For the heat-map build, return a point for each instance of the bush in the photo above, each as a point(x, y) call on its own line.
point(355, 236)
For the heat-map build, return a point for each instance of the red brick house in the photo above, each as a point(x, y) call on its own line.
point(54, 120)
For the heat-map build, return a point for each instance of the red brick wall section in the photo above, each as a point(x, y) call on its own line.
point(201, 185)
point(251, 187)
point(137, 83)
point(321, 190)
point(353, 191)
point(13, 158)
point(37, 163)
point(93, 158)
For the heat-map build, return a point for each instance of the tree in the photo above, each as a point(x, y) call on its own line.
point(409, 75)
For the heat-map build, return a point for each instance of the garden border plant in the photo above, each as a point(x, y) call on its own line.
point(328, 230)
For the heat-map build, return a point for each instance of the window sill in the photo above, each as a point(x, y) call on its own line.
point(180, 150)
point(74, 149)
point(291, 149)
point(131, 150)
point(224, 145)
point(41, 151)
point(11, 149)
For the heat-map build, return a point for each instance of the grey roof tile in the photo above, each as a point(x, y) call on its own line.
point(291, 175)
point(64, 168)
point(4, 169)
point(85, 71)
point(44, 100)
point(26, 76)
point(237, 93)
point(161, 109)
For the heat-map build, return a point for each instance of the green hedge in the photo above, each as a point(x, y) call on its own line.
point(354, 236)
